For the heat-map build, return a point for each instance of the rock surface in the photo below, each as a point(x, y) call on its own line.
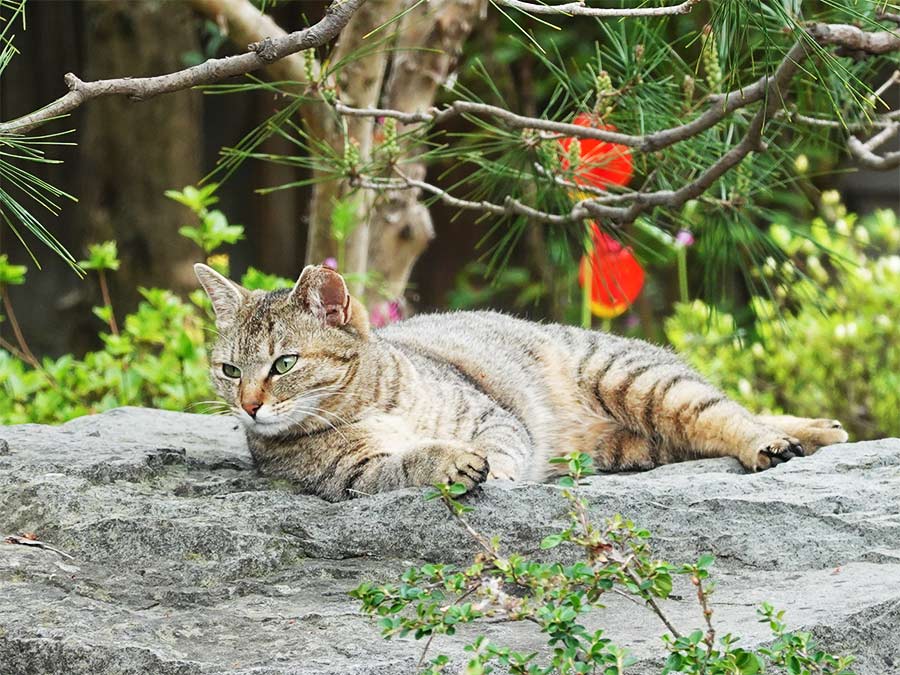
point(185, 561)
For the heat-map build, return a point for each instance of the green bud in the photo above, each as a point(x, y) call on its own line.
point(351, 155)
point(710, 57)
point(574, 154)
point(603, 88)
point(309, 64)
point(687, 86)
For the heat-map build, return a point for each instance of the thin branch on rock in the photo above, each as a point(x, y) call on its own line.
point(259, 55)
point(29, 540)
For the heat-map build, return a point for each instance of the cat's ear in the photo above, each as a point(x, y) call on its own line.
point(225, 295)
point(323, 292)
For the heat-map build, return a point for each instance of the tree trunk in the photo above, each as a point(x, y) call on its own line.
point(133, 152)
point(401, 225)
point(359, 85)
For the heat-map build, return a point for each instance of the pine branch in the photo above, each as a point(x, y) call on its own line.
point(772, 90)
point(259, 55)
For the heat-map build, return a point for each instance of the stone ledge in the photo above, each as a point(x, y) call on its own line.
point(185, 561)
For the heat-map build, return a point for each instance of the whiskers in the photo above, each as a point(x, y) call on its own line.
point(307, 405)
point(213, 408)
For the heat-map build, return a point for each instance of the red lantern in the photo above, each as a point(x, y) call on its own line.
point(616, 276)
point(602, 164)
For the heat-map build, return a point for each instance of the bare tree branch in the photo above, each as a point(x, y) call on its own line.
point(853, 39)
point(580, 9)
point(260, 54)
point(864, 151)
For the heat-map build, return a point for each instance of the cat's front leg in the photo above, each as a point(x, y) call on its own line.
point(444, 462)
point(420, 465)
point(383, 452)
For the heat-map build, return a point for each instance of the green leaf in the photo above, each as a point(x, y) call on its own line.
point(10, 274)
point(706, 560)
point(457, 489)
point(551, 541)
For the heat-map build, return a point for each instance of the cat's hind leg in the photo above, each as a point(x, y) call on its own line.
point(812, 433)
point(651, 392)
point(621, 449)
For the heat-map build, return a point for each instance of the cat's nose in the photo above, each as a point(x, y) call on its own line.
point(251, 408)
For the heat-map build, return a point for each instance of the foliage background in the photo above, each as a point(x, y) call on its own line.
point(128, 155)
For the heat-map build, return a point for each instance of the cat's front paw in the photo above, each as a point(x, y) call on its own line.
point(468, 467)
point(772, 452)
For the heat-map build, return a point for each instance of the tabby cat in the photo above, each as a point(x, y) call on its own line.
point(462, 397)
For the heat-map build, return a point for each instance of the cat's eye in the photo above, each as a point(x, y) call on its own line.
point(284, 363)
point(231, 371)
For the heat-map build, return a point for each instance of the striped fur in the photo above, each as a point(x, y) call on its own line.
point(466, 396)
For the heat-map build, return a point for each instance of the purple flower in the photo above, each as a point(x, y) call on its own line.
point(330, 262)
point(684, 238)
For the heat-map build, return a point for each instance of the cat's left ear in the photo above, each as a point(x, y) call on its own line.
point(323, 292)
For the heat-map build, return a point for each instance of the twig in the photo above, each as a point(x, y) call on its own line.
point(259, 54)
point(23, 540)
point(854, 39)
point(654, 605)
point(580, 9)
point(17, 330)
point(863, 151)
point(107, 302)
point(11, 348)
point(703, 598)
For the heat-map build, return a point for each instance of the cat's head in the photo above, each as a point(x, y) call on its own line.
point(281, 356)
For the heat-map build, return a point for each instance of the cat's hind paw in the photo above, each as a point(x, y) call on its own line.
point(813, 433)
point(773, 452)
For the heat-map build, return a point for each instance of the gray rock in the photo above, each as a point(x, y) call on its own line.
point(185, 561)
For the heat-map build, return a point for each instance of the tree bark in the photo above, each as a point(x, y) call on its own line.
point(401, 225)
point(360, 81)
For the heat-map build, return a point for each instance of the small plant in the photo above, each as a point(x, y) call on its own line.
point(615, 557)
point(214, 229)
point(102, 258)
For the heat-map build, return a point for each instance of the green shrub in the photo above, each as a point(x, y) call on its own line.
point(826, 342)
point(612, 557)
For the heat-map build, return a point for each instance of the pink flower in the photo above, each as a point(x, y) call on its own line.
point(684, 238)
point(385, 313)
point(330, 262)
